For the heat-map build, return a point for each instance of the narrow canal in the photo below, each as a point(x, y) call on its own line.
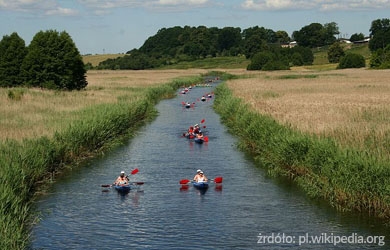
point(250, 211)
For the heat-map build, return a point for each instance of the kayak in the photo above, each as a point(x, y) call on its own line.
point(123, 188)
point(201, 185)
point(198, 140)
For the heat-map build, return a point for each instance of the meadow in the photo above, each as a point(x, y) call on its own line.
point(47, 132)
point(326, 130)
point(352, 105)
point(31, 112)
point(41, 131)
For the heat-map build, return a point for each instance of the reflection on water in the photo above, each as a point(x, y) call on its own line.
point(162, 214)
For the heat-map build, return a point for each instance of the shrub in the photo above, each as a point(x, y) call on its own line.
point(335, 52)
point(352, 60)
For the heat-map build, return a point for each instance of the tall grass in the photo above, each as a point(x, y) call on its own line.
point(348, 178)
point(25, 165)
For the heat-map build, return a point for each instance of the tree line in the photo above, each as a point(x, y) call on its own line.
point(51, 61)
point(267, 49)
point(172, 45)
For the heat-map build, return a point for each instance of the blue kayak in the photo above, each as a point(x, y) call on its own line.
point(201, 185)
point(123, 188)
point(198, 140)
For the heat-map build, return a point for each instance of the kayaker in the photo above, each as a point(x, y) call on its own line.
point(122, 179)
point(199, 135)
point(191, 130)
point(201, 177)
point(196, 128)
point(197, 173)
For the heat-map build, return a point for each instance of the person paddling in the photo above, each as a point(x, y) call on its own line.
point(201, 177)
point(122, 179)
point(197, 173)
point(200, 136)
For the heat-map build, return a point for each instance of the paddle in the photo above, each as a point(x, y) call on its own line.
point(217, 179)
point(134, 171)
point(134, 183)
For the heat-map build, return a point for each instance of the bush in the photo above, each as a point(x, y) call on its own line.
point(352, 60)
point(380, 58)
point(335, 52)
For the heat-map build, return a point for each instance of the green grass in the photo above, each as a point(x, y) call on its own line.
point(297, 76)
point(347, 178)
point(27, 165)
point(321, 54)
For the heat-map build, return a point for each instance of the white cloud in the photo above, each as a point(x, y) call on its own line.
point(182, 2)
point(324, 5)
point(62, 12)
point(110, 4)
point(37, 7)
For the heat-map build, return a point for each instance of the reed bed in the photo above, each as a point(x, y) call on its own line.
point(92, 121)
point(320, 131)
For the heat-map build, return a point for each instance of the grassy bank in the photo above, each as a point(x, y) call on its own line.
point(27, 163)
point(348, 178)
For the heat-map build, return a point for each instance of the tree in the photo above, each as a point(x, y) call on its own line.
point(329, 33)
point(335, 52)
point(352, 60)
point(356, 37)
point(54, 62)
point(282, 36)
point(253, 45)
point(306, 53)
point(380, 59)
point(228, 38)
point(268, 60)
point(315, 35)
point(12, 53)
point(260, 59)
point(380, 34)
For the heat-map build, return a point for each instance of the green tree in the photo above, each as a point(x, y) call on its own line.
point(12, 53)
point(228, 38)
point(329, 33)
point(54, 62)
point(282, 36)
point(253, 45)
point(356, 37)
point(380, 34)
point(352, 60)
point(335, 52)
point(380, 59)
point(316, 35)
point(260, 59)
point(296, 59)
point(306, 53)
point(268, 60)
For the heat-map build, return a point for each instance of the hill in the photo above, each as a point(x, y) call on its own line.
point(96, 59)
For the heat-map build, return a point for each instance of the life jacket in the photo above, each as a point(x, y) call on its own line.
point(123, 180)
point(201, 179)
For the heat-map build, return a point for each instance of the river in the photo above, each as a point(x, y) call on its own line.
point(249, 211)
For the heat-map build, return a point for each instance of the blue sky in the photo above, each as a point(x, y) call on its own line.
point(117, 26)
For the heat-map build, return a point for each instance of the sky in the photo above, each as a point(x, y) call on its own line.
point(118, 26)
